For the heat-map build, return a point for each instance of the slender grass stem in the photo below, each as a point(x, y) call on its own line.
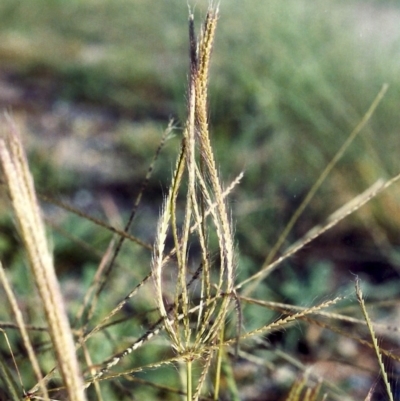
point(217, 383)
point(189, 380)
point(374, 340)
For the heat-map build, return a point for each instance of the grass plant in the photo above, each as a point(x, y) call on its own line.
point(180, 326)
point(25, 206)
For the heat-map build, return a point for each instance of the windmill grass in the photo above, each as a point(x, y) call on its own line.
point(196, 292)
point(204, 189)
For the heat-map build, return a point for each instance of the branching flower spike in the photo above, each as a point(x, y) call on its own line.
point(190, 335)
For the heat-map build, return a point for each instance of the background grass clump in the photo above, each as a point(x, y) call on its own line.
point(93, 84)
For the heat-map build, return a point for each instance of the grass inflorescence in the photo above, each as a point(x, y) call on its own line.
point(182, 326)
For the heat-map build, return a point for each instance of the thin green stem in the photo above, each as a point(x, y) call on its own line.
point(189, 380)
point(219, 363)
point(365, 119)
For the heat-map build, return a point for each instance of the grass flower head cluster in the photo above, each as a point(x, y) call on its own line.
point(194, 320)
point(189, 275)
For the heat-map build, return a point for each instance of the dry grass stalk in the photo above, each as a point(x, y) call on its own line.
point(23, 330)
point(356, 131)
point(374, 340)
point(32, 230)
point(9, 385)
point(373, 191)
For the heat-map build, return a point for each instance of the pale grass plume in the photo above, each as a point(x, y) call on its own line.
point(26, 209)
point(205, 207)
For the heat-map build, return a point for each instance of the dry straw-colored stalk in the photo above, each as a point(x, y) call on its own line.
point(374, 340)
point(265, 269)
point(26, 209)
point(23, 330)
point(371, 193)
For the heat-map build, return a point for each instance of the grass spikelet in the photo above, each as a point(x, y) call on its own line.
point(288, 319)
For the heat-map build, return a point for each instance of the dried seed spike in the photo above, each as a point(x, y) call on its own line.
point(26, 208)
point(153, 331)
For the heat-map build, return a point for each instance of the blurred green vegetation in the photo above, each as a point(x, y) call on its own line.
point(289, 82)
